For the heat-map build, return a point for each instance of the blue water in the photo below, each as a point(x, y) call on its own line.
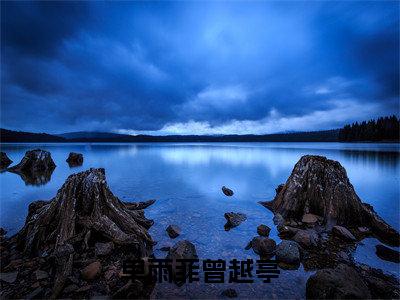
point(186, 181)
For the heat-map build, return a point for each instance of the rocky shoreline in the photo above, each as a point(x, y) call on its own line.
point(73, 246)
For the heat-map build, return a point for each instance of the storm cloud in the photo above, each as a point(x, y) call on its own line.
point(197, 67)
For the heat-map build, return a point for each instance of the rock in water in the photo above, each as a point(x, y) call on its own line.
point(288, 252)
point(320, 186)
point(75, 159)
point(181, 250)
point(233, 219)
point(4, 160)
point(226, 191)
point(387, 254)
point(35, 167)
point(263, 246)
point(343, 282)
point(263, 230)
point(83, 212)
point(173, 231)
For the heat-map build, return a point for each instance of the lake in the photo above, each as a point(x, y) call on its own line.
point(186, 181)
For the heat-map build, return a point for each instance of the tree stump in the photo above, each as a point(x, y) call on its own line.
point(320, 186)
point(84, 211)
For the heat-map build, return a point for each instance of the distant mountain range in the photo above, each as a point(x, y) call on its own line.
point(9, 136)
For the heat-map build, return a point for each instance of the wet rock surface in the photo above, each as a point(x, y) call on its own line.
point(263, 246)
point(233, 219)
point(343, 233)
point(288, 252)
point(63, 250)
point(173, 231)
point(263, 230)
point(227, 191)
point(5, 161)
point(74, 159)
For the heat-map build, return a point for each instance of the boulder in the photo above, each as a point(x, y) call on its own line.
point(343, 233)
point(306, 238)
point(75, 159)
point(233, 219)
point(342, 282)
point(309, 219)
point(103, 249)
point(320, 186)
point(263, 230)
point(228, 192)
point(4, 160)
point(91, 271)
point(288, 252)
point(388, 254)
point(173, 231)
point(263, 246)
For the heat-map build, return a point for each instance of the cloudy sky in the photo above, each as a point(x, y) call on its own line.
point(197, 67)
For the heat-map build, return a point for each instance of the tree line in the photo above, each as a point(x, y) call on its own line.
point(382, 129)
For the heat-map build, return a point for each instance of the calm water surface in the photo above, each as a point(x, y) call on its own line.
point(186, 180)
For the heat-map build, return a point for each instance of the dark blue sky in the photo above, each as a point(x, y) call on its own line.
point(197, 67)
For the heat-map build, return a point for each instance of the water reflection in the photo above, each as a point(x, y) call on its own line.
point(186, 180)
point(34, 178)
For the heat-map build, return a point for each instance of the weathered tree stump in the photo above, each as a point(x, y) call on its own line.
point(320, 186)
point(34, 161)
point(84, 211)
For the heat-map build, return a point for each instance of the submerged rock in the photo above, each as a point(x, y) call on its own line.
point(228, 192)
point(4, 160)
point(320, 186)
point(388, 254)
point(181, 250)
point(233, 219)
point(173, 231)
point(75, 159)
point(342, 282)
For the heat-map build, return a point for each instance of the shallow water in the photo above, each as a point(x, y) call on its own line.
point(186, 181)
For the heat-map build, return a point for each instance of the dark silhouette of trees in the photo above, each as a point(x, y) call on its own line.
point(383, 129)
